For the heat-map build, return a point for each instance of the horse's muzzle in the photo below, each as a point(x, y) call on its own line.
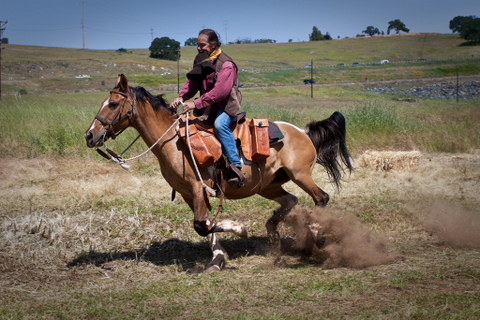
point(94, 140)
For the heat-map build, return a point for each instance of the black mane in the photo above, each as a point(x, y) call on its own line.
point(156, 102)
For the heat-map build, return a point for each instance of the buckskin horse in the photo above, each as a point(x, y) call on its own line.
point(293, 158)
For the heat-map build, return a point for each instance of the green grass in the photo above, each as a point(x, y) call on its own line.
point(54, 125)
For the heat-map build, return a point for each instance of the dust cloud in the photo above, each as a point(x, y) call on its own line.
point(335, 238)
point(454, 225)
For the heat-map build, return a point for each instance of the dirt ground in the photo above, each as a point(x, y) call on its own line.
point(84, 223)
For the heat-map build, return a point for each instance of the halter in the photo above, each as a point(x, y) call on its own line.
point(110, 132)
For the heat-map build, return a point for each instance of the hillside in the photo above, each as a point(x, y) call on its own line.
point(49, 70)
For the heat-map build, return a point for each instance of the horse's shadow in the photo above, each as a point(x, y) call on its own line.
point(184, 254)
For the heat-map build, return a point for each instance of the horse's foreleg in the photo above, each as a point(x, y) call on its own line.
point(219, 255)
point(286, 200)
point(206, 228)
point(236, 228)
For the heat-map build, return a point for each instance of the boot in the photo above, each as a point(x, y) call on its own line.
point(238, 179)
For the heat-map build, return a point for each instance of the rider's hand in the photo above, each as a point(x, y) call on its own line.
point(187, 106)
point(176, 102)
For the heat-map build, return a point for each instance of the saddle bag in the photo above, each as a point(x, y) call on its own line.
point(260, 140)
point(206, 148)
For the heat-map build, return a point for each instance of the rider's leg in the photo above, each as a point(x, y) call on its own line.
point(229, 148)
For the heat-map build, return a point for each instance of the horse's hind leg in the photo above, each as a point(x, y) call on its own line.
point(286, 200)
point(305, 181)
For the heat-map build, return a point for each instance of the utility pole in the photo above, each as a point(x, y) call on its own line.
point(83, 22)
point(151, 32)
point(311, 76)
point(178, 70)
point(2, 23)
point(457, 85)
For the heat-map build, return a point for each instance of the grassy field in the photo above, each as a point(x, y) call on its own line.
point(80, 238)
point(373, 122)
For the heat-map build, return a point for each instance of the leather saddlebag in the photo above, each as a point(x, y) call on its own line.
point(206, 148)
point(260, 140)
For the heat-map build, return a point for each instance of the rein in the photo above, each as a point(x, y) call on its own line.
point(122, 162)
point(207, 188)
point(119, 160)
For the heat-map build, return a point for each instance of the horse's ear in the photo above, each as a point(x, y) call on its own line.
point(122, 83)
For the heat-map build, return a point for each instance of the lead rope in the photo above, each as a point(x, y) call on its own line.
point(122, 162)
point(207, 188)
point(119, 160)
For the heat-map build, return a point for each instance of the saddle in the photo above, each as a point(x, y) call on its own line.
point(253, 137)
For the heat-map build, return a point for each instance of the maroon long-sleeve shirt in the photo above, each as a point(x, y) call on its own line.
point(211, 92)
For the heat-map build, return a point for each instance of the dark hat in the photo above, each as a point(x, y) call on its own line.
point(202, 66)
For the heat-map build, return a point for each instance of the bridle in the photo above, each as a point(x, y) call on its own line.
point(110, 131)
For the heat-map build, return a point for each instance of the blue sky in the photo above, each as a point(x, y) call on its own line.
point(129, 24)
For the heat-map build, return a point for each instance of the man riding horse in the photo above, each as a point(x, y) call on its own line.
point(215, 75)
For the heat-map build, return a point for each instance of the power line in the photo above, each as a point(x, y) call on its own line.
point(43, 30)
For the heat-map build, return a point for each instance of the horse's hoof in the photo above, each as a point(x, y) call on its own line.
point(212, 269)
point(279, 262)
point(244, 233)
point(217, 264)
point(274, 237)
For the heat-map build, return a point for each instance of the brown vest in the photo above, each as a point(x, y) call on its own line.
point(231, 105)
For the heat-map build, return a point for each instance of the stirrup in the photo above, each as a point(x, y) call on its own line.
point(238, 181)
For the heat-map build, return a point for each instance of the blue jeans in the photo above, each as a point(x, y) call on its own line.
point(225, 136)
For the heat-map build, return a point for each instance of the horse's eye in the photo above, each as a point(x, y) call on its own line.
point(113, 104)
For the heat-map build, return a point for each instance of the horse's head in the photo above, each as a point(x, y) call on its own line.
point(114, 114)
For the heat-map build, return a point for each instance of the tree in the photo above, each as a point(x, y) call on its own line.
point(457, 23)
point(165, 48)
point(191, 42)
point(316, 35)
point(398, 26)
point(471, 30)
point(264, 41)
point(371, 31)
point(468, 27)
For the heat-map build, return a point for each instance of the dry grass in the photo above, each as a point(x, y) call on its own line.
point(85, 239)
point(53, 70)
point(389, 160)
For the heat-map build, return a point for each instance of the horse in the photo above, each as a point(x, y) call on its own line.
point(291, 159)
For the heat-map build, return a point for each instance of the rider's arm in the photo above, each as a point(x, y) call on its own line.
point(221, 90)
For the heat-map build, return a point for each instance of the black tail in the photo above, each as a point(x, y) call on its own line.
point(328, 137)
